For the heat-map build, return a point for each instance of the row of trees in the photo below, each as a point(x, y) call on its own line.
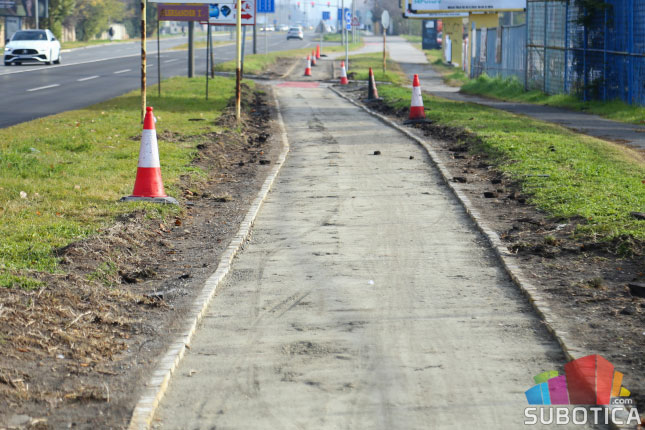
point(92, 17)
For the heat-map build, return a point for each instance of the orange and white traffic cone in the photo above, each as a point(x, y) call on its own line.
point(148, 185)
point(318, 51)
point(416, 104)
point(343, 74)
point(313, 58)
point(308, 68)
point(372, 93)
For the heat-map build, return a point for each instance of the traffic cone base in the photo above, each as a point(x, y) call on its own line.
point(148, 185)
point(308, 67)
point(343, 74)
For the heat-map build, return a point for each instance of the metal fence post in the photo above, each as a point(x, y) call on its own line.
point(546, 38)
point(630, 54)
point(604, 58)
point(584, 61)
point(566, 47)
point(528, 51)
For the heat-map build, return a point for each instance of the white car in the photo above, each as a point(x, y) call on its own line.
point(32, 46)
point(295, 33)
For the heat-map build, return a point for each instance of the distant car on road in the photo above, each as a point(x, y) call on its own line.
point(295, 33)
point(27, 46)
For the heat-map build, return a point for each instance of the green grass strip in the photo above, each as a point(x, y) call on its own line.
point(257, 63)
point(360, 64)
point(61, 177)
point(511, 89)
point(586, 177)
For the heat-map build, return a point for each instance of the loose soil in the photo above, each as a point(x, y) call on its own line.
point(76, 353)
point(591, 287)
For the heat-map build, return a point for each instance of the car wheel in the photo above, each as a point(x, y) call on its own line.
point(7, 63)
point(59, 59)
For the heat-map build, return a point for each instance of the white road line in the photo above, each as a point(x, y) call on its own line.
point(45, 87)
point(170, 61)
point(87, 79)
point(122, 71)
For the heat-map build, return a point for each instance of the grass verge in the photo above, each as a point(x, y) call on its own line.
point(512, 89)
point(61, 177)
point(257, 63)
point(360, 64)
point(451, 76)
point(566, 175)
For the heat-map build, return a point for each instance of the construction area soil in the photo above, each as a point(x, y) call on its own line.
point(596, 294)
point(76, 353)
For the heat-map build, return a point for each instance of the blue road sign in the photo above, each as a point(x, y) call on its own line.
point(326, 16)
point(348, 26)
point(266, 6)
point(348, 16)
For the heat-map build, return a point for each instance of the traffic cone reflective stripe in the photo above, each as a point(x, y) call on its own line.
point(318, 51)
point(308, 68)
point(416, 104)
point(313, 58)
point(148, 182)
point(343, 74)
point(372, 93)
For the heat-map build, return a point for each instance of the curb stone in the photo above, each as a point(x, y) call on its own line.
point(534, 296)
point(156, 387)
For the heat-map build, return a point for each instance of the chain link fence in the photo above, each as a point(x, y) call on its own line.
point(562, 49)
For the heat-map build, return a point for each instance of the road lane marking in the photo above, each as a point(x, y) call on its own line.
point(170, 61)
point(87, 79)
point(122, 71)
point(44, 88)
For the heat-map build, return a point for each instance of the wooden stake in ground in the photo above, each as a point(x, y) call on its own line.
point(385, 23)
point(238, 60)
point(143, 59)
point(158, 62)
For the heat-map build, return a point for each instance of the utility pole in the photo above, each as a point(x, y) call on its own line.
point(37, 17)
point(191, 49)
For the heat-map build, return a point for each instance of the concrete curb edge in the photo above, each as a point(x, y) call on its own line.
point(501, 252)
point(157, 385)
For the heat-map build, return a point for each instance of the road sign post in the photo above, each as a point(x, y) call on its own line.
point(348, 26)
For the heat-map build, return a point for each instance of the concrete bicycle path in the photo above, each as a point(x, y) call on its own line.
point(365, 298)
point(413, 60)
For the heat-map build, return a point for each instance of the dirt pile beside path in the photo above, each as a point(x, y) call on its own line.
point(76, 352)
point(596, 290)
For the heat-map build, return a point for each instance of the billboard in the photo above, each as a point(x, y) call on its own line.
point(24, 8)
point(427, 6)
point(409, 14)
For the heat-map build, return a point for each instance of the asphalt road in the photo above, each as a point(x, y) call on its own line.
point(92, 75)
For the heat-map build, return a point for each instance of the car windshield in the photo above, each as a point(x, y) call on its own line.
point(30, 35)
